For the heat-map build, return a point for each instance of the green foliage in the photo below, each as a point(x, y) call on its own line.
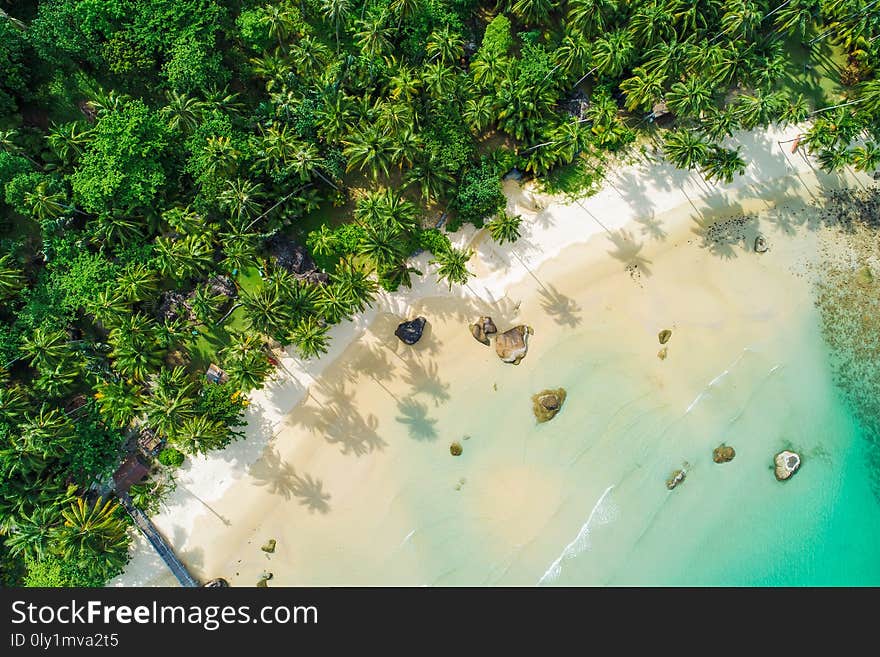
point(477, 196)
point(195, 65)
point(125, 164)
point(96, 449)
point(171, 457)
point(222, 402)
point(497, 39)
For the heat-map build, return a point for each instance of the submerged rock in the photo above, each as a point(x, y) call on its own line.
point(410, 332)
point(455, 449)
point(512, 345)
point(547, 403)
point(723, 453)
point(269, 546)
point(761, 245)
point(676, 478)
point(787, 463)
point(864, 276)
point(264, 578)
point(663, 353)
point(664, 336)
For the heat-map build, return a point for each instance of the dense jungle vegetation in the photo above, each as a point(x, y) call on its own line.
point(164, 163)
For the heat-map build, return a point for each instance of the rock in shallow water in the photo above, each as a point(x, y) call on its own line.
point(269, 546)
point(723, 453)
point(676, 478)
point(761, 245)
point(787, 463)
point(455, 449)
point(664, 336)
point(512, 345)
point(547, 403)
point(410, 332)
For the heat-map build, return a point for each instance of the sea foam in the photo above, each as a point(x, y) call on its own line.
point(602, 514)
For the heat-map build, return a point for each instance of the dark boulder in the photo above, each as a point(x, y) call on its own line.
point(289, 255)
point(411, 331)
point(664, 336)
point(723, 453)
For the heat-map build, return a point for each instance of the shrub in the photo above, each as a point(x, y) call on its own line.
point(171, 457)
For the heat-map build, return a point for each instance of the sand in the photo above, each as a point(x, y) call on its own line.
point(325, 469)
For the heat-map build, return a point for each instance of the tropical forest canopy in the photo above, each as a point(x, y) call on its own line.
point(187, 182)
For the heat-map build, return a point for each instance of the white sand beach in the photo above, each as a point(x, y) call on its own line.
point(346, 462)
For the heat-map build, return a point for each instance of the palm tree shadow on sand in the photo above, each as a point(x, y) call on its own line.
point(627, 249)
point(414, 415)
point(280, 478)
point(564, 310)
point(425, 378)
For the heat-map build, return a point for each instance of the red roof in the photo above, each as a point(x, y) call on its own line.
point(129, 473)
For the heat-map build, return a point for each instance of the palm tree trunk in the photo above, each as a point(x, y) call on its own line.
point(228, 313)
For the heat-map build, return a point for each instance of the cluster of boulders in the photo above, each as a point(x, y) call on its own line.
point(511, 345)
point(175, 305)
point(664, 336)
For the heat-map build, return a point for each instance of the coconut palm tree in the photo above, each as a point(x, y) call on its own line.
point(48, 433)
point(453, 266)
point(45, 348)
point(200, 434)
point(643, 89)
point(336, 12)
point(12, 278)
point(432, 179)
point(322, 241)
point(834, 159)
point(685, 149)
point(138, 282)
point(741, 19)
point(183, 112)
point(94, 531)
point(532, 12)
point(115, 227)
point(242, 198)
point(109, 306)
point(13, 402)
point(691, 98)
point(355, 283)
point(722, 164)
point(118, 402)
point(504, 227)
point(590, 16)
point(866, 158)
point(189, 257)
point(240, 249)
point(478, 113)
point(334, 303)
point(45, 204)
point(171, 402)
point(205, 304)
point(869, 96)
point(135, 351)
point(796, 17)
point(68, 141)
point(266, 311)
point(245, 361)
point(381, 244)
point(760, 108)
point(373, 38)
point(33, 534)
point(280, 21)
point(309, 337)
point(445, 44)
point(652, 22)
point(366, 148)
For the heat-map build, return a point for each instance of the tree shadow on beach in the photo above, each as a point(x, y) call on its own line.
point(281, 478)
point(414, 415)
point(628, 249)
point(425, 378)
point(564, 310)
point(651, 227)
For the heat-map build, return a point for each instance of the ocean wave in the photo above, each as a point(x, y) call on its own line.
point(602, 514)
point(705, 391)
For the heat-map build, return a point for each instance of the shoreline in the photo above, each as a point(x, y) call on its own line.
point(630, 201)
